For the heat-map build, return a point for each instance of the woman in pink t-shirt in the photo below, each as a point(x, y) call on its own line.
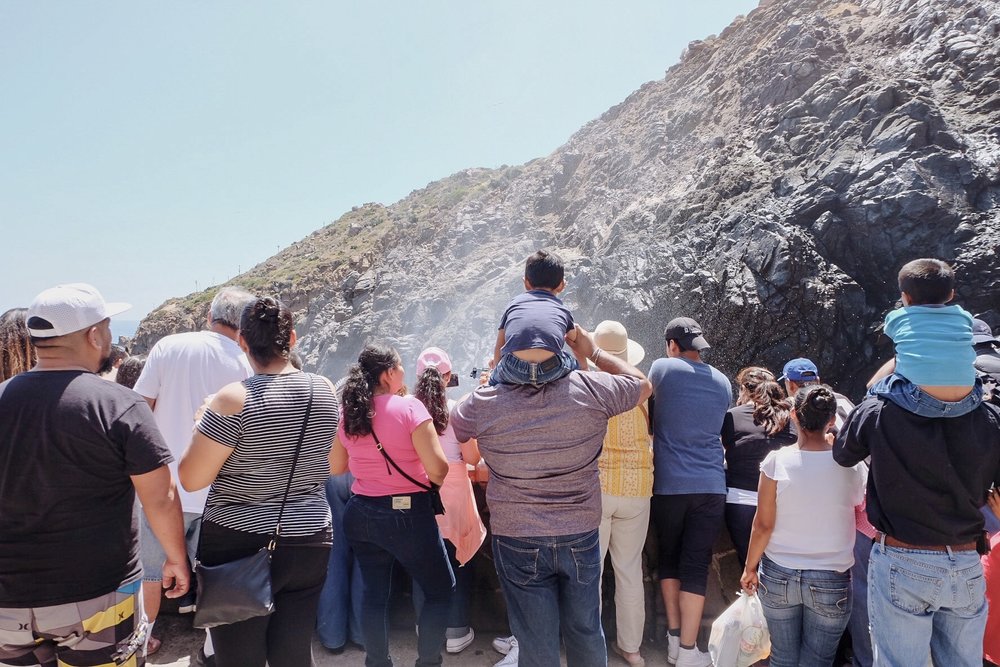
point(390, 445)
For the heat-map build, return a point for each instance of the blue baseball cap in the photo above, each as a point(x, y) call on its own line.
point(800, 370)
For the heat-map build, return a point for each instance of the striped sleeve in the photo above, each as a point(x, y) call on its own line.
point(224, 429)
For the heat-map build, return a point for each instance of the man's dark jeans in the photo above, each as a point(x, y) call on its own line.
point(553, 587)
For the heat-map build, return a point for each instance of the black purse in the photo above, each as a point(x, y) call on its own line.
point(241, 589)
point(433, 489)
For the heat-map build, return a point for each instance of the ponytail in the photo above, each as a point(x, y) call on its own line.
point(770, 407)
point(430, 391)
point(359, 389)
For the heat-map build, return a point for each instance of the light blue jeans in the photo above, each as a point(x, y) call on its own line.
point(806, 612)
point(512, 370)
point(924, 602)
point(913, 399)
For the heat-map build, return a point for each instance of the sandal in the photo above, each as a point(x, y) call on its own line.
point(633, 659)
point(153, 645)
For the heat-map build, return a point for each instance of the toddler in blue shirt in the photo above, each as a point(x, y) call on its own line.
point(932, 374)
point(534, 328)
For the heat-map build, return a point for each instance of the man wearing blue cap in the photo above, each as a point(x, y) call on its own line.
point(802, 372)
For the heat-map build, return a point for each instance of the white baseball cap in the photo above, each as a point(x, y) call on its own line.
point(64, 309)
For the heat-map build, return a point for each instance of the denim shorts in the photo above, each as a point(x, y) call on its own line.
point(151, 554)
point(512, 370)
point(913, 399)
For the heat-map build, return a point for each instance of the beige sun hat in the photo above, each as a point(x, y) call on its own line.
point(612, 337)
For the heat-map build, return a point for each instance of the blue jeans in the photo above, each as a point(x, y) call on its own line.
point(381, 536)
point(512, 370)
point(339, 615)
point(552, 586)
point(458, 616)
point(806, 612)
point(924, 602)
point(913, 399)
point(861, 638)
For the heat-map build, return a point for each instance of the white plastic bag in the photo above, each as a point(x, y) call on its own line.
point(739, 636)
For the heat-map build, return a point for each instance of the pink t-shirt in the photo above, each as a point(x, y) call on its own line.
point(395, 419)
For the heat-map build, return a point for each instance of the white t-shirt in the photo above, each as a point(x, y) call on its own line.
point(180, 371)
point(814, 526)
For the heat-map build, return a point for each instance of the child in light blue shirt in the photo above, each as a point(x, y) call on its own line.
point(932, 374)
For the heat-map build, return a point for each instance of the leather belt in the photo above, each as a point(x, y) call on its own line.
point(891, 541)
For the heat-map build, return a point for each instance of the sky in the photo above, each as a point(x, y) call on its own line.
point(156, 149)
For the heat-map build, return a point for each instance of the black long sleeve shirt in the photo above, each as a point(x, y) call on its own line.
point(928, 477)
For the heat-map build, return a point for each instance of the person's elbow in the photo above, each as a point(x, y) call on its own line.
point(189, 476)
point(645, 391)
point(437, 471)
point(763, 525)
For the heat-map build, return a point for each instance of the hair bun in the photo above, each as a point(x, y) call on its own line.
point(822, 398)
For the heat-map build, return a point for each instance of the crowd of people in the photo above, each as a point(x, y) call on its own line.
point(875, 519)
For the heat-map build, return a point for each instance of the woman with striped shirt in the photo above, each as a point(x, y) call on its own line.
point(244, 446)
point(390, 518)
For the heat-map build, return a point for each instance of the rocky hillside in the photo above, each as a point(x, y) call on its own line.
point(769, 186)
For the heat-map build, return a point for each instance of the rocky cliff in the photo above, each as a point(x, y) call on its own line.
point(770, 186)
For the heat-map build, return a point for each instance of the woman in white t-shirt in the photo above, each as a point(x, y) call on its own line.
point(803, 538)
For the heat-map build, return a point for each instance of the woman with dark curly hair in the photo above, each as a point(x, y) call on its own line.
point(390, 444)
point(803, 538)
point(759, 424)
point(263, 445)
point(462, 529)
point(17, 354)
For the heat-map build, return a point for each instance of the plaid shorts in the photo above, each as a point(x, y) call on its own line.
point(105, 631)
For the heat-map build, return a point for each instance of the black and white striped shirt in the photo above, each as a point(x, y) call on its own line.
point(246, 494)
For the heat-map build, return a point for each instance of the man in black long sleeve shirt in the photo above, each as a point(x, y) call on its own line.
point(928, 479)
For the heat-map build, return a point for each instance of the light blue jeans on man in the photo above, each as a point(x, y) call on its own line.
point(806, 612)
point(913, 399)
point(923, 602)
point(553, 587)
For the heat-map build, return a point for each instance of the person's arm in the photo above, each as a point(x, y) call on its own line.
point(338, 457)
point(584, 345)
point(428, 448)
point(760, 534)
point(158, 495)
point(470, 451)
point(851, 445)
point(151, 402)
point(728, 431)
point(204, 457)
point(501, 340)
point(887, 369)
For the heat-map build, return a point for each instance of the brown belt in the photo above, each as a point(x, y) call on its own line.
point(893, 542)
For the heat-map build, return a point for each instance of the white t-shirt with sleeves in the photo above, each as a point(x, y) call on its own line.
point(814, 525)
point(180, 372)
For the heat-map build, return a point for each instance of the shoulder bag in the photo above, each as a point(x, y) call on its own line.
point(241, 589)
point(433, 489)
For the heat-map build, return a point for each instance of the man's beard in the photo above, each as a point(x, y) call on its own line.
point(106, 365)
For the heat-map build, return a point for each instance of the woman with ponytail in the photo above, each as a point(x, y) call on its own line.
point(803, 538)
point(460, 525)
point(758, 425)
point(263, 445)
point(390, 444)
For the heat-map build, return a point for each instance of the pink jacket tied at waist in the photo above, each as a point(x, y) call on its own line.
point(460, 524)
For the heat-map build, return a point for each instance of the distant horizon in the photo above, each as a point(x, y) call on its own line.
point(162, 150)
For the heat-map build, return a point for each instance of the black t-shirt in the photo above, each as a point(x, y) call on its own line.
point(747, 444)
point(928, 476)
point(69, 441)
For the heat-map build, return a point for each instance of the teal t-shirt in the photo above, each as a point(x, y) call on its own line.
point(689, 406)
point(933, 345)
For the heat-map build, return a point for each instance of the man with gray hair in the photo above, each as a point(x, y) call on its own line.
point(181, 370)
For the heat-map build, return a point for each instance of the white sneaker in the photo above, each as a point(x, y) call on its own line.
point(509, 660)
point(504, 644)
point(459, 644)
point(673, 646)
point(692, 657)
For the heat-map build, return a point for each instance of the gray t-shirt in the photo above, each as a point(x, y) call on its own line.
point(541, 445)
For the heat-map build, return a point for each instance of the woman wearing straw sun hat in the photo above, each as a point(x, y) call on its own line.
point(626, 468)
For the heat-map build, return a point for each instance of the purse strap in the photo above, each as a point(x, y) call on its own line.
point(295, 460)
point(385, 454)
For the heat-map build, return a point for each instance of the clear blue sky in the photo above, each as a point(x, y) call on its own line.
point(153, 148)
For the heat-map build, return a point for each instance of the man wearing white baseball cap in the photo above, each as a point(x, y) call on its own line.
point(75, 450)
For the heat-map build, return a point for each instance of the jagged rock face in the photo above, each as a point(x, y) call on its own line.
point(770, 187)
